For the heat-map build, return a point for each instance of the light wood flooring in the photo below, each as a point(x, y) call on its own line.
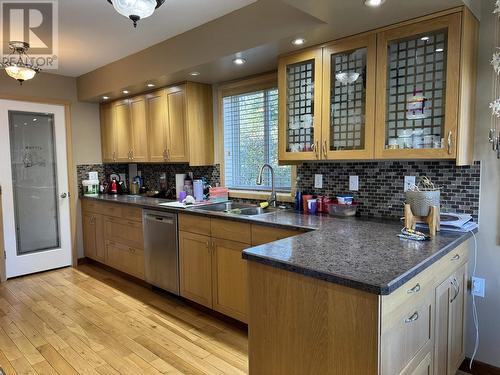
point(90, 321)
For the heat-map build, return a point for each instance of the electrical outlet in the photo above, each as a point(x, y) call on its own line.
point(353, 183)
point(478, 286)
point(318, 181)
point(409, 182)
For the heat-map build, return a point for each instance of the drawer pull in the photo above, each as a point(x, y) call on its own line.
point(456, 257)
point(456, 286)
point(414, 290)
point(412, 318)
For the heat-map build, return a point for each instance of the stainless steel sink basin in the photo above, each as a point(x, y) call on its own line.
point(233, 208)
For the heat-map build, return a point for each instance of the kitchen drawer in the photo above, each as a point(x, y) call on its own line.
point(127, 232)
point(91, 206)
point(111, 209)
point(132, 213)
point(264, 234)
point(194, 224)
point(125, 258)
point(231, 230)
point(450, 262)
point(405, 334)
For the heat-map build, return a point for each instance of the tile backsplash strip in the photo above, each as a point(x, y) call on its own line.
point(381, 184)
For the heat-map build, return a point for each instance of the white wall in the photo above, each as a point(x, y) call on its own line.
point(488, 265)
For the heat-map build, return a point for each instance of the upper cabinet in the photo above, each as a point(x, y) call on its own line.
point(402, 92)
point(170, 125)
point(299, 85)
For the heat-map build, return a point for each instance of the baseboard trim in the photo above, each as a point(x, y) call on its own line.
point(479, 368)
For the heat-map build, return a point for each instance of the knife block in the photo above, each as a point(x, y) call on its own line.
point(432, 219)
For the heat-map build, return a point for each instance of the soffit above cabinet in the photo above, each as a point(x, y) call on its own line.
point(260, 32)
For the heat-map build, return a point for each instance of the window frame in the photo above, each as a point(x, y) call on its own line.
point(257, 83)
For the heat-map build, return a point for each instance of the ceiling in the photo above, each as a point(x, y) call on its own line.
point(93, 34)
point(206, 35)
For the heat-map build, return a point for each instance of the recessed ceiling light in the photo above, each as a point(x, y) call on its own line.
point(151, 85)
point(239, 61)
point(125, 92)
point(374, 3)
point(425, 38)
point(439, 49)
point(298, 41)
point(35, 119)
point(105, 97)
point(194, 74)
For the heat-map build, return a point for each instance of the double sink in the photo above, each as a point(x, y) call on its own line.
point(233, 208)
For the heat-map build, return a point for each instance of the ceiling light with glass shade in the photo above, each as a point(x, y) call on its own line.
point(18, 64)
point(136, 9)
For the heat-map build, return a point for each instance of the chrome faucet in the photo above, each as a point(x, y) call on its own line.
point(272, 197)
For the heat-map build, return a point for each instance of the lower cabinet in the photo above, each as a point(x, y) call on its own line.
point(229, 274)
point(125, 258)
point(450, 323)
point(93, 236)
point(195, 268)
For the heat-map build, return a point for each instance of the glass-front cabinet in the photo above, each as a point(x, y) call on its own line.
point(300, 79)
point(418, 90)
point(349, 98)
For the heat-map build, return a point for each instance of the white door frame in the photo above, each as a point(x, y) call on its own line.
point(36, 262)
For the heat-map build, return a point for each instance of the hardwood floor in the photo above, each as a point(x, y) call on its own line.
point(90, 321)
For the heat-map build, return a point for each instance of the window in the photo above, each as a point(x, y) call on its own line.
point(250, 123)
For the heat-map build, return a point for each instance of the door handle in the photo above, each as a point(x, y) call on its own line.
point(63, 195)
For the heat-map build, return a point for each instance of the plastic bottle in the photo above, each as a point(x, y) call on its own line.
point(298, 196)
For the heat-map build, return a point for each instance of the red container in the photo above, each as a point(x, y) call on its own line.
point(305, 198)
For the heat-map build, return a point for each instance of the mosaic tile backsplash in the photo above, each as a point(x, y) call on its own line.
point(380, 182)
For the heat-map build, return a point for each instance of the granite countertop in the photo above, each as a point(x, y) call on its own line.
point(361, 253)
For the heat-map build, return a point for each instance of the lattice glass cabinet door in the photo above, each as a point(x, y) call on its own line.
point(299, 84)
point(418, 85)
point(349, 68)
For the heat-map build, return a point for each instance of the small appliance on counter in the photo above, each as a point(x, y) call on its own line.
point(91, 186)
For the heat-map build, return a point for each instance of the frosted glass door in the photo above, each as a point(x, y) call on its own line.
point(34, 182)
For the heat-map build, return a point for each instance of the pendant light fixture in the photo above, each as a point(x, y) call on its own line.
point(17, 65)
point(136, 9)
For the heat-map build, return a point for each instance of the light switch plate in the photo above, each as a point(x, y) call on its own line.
point(353, 183)
point(409, 182)
point(318, 181)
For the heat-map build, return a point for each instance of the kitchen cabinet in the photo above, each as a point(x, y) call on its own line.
point(450, 322)
point(121, 130)
point(195, 268)
point(107, 133)
point(299, 85)
point(169, 125)
point(229, 278)
point(348, 122)
point(93, 236)
point(138, 130)
point(112, 235)
point(405, 91)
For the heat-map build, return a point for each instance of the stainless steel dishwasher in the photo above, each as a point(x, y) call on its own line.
point(161, 250)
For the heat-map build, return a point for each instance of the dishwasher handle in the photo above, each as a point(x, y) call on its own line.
point(167, 220)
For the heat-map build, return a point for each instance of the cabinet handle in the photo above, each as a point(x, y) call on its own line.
point(455, 257)
point(168, 154)
point(325, 149)
point(456, 286)
point(315, 148)
point(412, 318)
point(208, 246)
point(131, 250)
point(414, 290)
point(114, 155)
point(132, 154)
point(449, 142)
point(165, 154)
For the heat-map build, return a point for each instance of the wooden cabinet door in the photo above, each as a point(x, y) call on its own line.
point(177, 126)
point(138, 130)
point(348, 122)
point(93, 236)
point(300, 89)
point(456, 344)
point(121, 110)
point(125, 258)
point(450, 319)
point(195, 268)
point(156, 105)
point(418, 84)
point(107, 133)
point(229, 278)
point(89, 235)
